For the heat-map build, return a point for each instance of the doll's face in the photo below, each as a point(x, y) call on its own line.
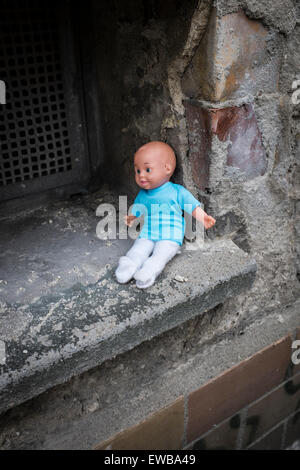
point(154, 164)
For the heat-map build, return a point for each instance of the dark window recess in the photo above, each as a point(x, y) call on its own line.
point(40, 125)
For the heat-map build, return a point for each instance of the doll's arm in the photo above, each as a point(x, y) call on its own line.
point(128, 219)
point(205, 219)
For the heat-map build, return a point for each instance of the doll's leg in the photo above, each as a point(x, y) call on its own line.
point(133, 260)
point(163, 252)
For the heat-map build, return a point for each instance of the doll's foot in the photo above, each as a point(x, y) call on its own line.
point(144, 278)
point(125, 270)
point(144, 285)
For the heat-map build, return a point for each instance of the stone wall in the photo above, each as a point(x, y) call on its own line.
point(248, 140)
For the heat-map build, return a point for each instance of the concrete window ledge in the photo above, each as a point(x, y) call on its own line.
point(65, 334)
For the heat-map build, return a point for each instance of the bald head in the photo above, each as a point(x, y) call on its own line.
point(160, 151)
point(154, 164)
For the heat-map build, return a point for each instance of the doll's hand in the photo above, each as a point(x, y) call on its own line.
point(128, 219)
point(209, 221)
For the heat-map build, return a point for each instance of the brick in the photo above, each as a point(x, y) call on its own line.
point(237, 124)
point(161, 430)
point(271, 409)
point(271, 441)
point(246, 151)
point(292, 430)
point(223, 437)
point(231, 60)
point(226, 394)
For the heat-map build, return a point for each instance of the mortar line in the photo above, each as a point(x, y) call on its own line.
point(239, 440)
point(270, 430)
point(185, 420)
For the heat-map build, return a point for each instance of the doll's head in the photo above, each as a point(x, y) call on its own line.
point(154, 164)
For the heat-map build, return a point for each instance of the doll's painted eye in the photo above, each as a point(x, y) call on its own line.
point(138, 171)
point(148, 170)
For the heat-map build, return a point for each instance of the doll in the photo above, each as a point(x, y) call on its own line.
point(161, 203)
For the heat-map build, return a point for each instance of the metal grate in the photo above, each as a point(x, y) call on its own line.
point(34, 131)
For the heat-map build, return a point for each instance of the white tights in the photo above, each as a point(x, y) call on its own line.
point(139, 264)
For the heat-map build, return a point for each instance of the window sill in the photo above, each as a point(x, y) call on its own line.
point(68, 333)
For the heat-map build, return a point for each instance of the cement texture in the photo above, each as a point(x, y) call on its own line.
point(63, 334)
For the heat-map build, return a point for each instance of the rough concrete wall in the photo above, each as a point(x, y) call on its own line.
point(287, 171)
point(278, 14)
point(134, 42)
point(266, 206)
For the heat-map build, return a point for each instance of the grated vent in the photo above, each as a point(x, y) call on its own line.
point(34, 134)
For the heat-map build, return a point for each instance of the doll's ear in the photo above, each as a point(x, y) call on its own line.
point(168, 168)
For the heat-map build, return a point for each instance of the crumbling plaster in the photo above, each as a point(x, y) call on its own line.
point(267, 202)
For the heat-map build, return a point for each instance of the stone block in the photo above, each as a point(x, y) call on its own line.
point(236, 124)
point(232, 60)
point(246, 151)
